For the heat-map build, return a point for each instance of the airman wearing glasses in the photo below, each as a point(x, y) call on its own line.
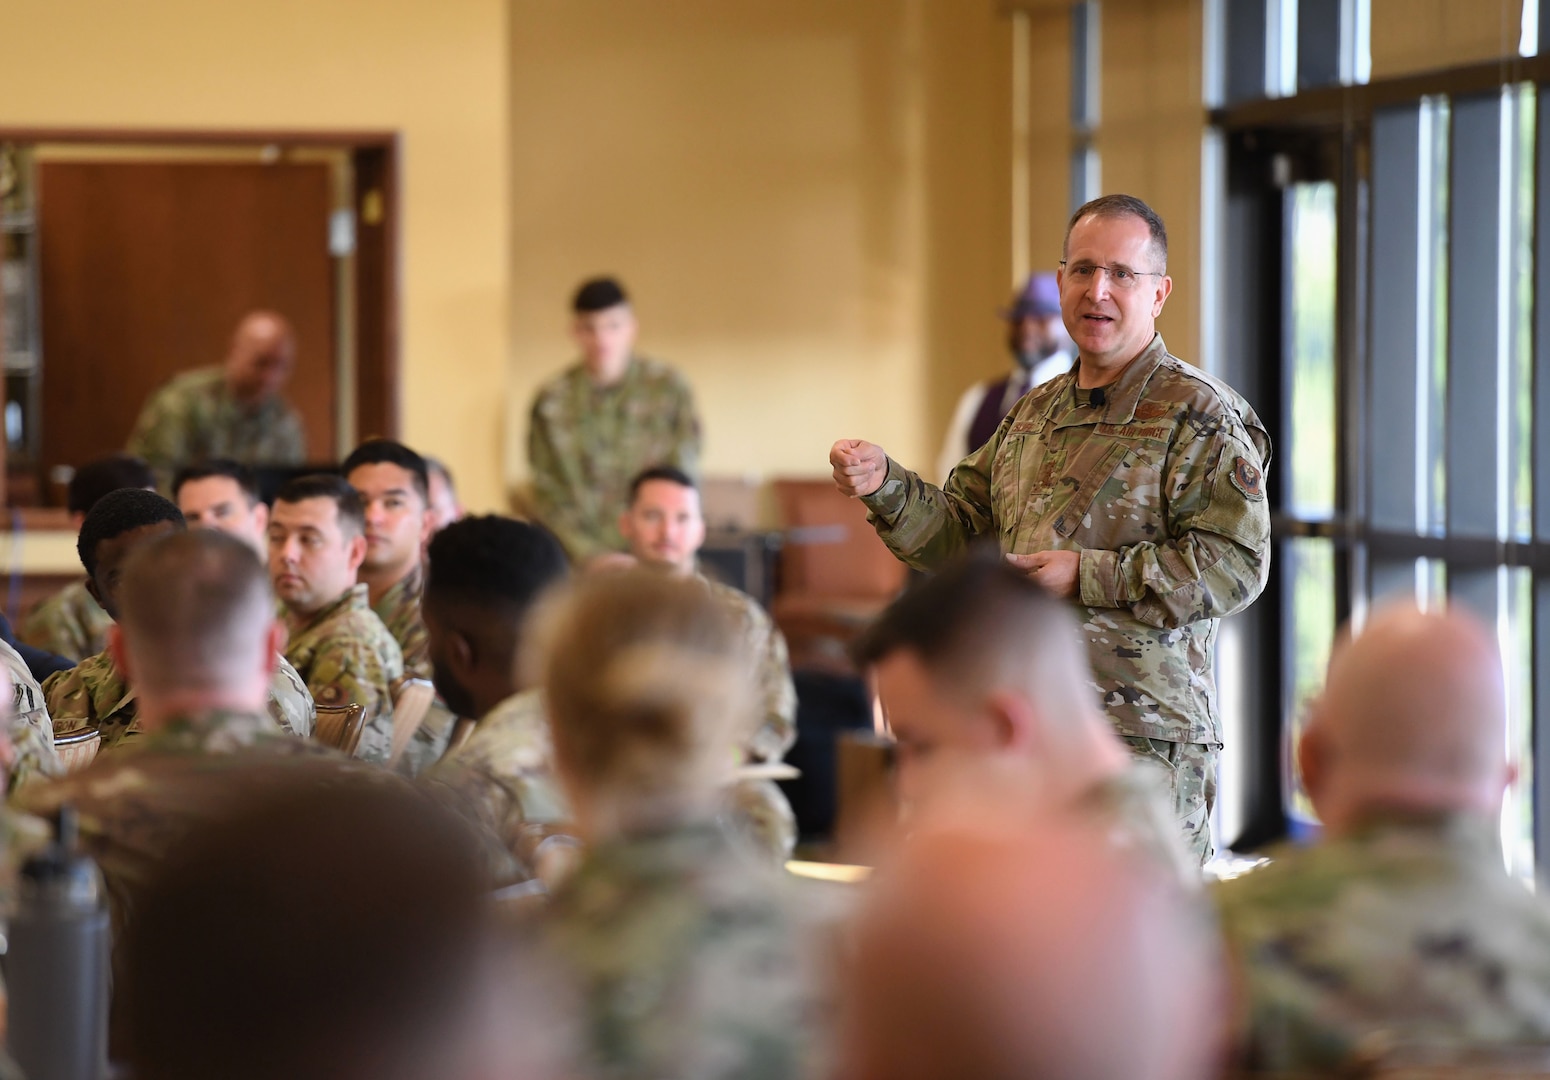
point(1132, 486)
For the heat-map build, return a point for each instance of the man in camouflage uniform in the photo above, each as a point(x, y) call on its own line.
point(71, 623)
point(28, 726)
point(485, 574)
point(1399, 930)
point(603, 420)
point(393, 483)
point(340, 647)
point(1132, 486)
point(233, 411)
point(197, 630)
point(96, 692)
point(665, 528)
point(982, 680)
point(223, 494)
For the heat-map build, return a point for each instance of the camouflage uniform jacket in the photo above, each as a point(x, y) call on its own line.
point(502, 778)
point(1404, 933)
point(70, 624)
point(767, 648)
point(587, 442)
point(688, 961)
point(345, 655)
point(94, 694)
point(30, 730)
point(1132, 810)
point(194, 418)
point(1161, 490)
point(399, 609)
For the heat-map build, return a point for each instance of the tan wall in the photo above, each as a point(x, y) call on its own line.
point(1411, 36)
point(809, 201)
point(436, 72)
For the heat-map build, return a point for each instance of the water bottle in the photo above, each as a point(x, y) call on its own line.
point(57, 964)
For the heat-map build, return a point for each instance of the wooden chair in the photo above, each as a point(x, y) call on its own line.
point(78, 747)
point(340, 726)
point(412, 699)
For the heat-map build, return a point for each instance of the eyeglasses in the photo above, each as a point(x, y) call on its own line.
point(1120, 277)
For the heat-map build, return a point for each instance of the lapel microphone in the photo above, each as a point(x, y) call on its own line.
point(1099, 398)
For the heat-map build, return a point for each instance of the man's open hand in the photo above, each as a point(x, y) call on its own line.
point(1056, 571)
point(860, 467)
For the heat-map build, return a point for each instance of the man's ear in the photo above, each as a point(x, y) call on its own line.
point(427, 526)
point(1013, 721)
point(1313, 761)
point(119, 654)
point(278, 636)
point(356, 551)
point(261, 518)
point(91, 587)
point(463, 652)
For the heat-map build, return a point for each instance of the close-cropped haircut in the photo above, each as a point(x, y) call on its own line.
point(96, 478)
point(598, 294)
point(671, 473)
point(646, 681)
point(437, 467)
point(493, 562)
point(240, 474)
point(962, 619)
point(388, 452)
point(194, 606)
point(119, 512)
point(1117, 206)
point(352, 515)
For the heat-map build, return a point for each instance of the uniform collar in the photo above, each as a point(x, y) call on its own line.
point(1121, 396)
point(354, 598)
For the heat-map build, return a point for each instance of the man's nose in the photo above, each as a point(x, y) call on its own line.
point(1099, 286)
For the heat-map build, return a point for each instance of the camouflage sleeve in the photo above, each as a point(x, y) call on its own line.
point(68, 699)
point(290, 702)
point(924, 525)
point(160, 433)
point(346, 671)
point(779, 727)
point(556, 494)
point(686, 431)
point(49, 627)
point(1218, 557)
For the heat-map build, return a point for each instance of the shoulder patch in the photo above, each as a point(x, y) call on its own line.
point(1248, 479)
point(332, 694)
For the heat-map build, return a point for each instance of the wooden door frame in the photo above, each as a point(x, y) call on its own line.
point(375, 169)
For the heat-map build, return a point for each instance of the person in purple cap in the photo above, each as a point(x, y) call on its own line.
point(1040, 350)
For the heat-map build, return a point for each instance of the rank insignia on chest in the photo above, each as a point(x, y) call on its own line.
point(1247, 479)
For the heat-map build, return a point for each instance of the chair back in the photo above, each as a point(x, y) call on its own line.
point(340, 726)
point(78, 747)
point(412, 699)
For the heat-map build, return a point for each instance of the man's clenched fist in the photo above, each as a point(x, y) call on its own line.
point(859, 466)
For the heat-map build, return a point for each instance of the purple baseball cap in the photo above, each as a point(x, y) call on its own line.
point(1040, 296)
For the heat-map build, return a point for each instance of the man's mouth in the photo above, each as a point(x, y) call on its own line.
point(1095, 317)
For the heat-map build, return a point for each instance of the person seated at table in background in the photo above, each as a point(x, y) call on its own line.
point(664, 527)
point(342, 650)
point(446, 507)
point(1400, 927)
point(1033, 950)
point(484, 575)
point(601, 421)
point(197, 637)
point(97, 693)
point(28, 728)
point(71, 623)
point(223, 495)
point(233, 410)
point(984, 683)
point(684, 950)
point(359, 911)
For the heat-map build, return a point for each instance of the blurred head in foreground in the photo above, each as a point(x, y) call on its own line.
point(647, 684)
point(981, 672)
point(335, 933)
point(1043, 955)
point(196, 627)
point(1413, 719)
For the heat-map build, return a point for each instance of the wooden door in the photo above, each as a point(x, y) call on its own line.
point(146, 268)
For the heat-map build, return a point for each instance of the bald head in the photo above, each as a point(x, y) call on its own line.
point(263, 351)
point(1016, 957)
point(197, 617)
point(1413, 718)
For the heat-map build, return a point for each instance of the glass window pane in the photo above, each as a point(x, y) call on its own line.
point(1431, 402)
point(1519, 393)
point(1311, 293)
point(1310, 567)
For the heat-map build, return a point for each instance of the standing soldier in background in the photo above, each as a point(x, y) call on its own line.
point(1132, 486)
point(71, 623)
point(231, 411)
point(602, 421)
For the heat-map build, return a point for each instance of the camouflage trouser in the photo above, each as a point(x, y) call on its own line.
point(1189, 769)
point(760, 813)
